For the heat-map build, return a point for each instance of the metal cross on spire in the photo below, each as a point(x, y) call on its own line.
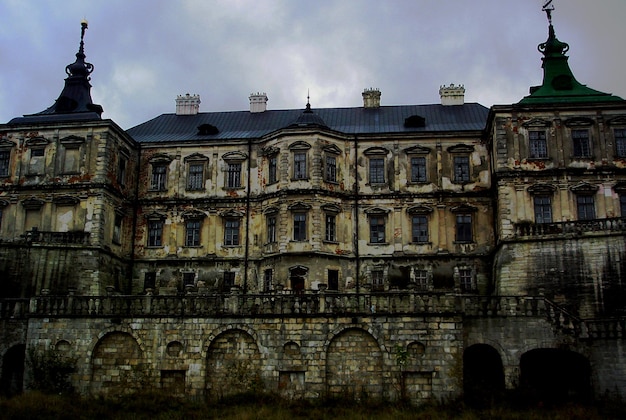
point(548, 7)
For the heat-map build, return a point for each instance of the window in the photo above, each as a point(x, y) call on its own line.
point(149, 280)
point(5, 159)
point(419, 229)
point(229, 281)
point(580, 143)
point(418, 169)
point(299, 227)
point(117, 229)
point(537, 144)
point(620, 141)
point(299, 165)
point(195, 176)
point(461, 169)
point(377, 171)
point(466, 279)
point(273, 163)
point(121, 170)
point(189, 279)
point(421, 279)
point(268, 276)
point(271, 229)
point(464, 228)
point(192, 232)
point(233, 175)
point(622, 205)
point(378, 283)
point(377, 229)
point(159, 173)
point(543, 209)
point(331, 228)
point(37, 152)
point(333, 279)
point(155, 232)
point(585, 206)
point(231, 232)
point(331, 168)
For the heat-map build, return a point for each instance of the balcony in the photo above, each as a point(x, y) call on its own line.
point(572, 228)
point(65, 238)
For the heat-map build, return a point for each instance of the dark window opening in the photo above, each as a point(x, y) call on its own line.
point(377, 171)
point(418, 169)
point(461, 169)
point(149, 280)
point(581, 145)
point(537, 144)
point(543, 209)
point(229, 281)
point(586, 207)
point(483, 375)
point(299, 227)
point(333, 279)
point(377, 229)
point(419, 229)
point(464, 228)
point(331, 228)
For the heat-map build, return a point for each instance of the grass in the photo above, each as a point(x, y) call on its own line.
point(157, 406)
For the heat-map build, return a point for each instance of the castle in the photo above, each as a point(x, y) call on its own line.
point(413, 251)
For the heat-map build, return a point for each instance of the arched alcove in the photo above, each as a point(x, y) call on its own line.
point(12, 379)
point(483, 375)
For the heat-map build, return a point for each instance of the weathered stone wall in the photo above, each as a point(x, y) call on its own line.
point(308, 357)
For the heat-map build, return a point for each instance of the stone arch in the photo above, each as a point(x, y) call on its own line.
point(117, 365)
point(555, 375)
point(483, 374)
point(233, 364)
point(354, 365)
point(12, 378)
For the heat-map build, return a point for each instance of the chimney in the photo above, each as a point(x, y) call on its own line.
point(371, 98)
point(452, 95)
point(187, 104)
point(258, 102)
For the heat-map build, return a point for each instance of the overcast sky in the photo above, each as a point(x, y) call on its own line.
point(146, 52)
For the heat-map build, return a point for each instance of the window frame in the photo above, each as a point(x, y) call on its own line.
point(422, 279)
point(233, 175)
point(300, 165)
point(620, 141)
point(537, 144)
point(228, 281)
point(330, 168)
point(193, 232)
point(273, 169)
point(272, 224)
point(622, 205)
point(585, 207)
point(462, 169)
point(118, 222)
point(377, 228)
point(377, 280)
point(195, 175)
point(464, 229)
point(419, 172)
point(418, 220)
point(232, 231)
point(581, 144)
point(466, 280)
point(299, 226)
point(155, 233)
point(330, 227)
point(158, 178)
point(5, 163)
point(542, 208)
point(376, 170)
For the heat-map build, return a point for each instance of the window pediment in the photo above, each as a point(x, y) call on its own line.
point(299, 145)
point(6, 144)
point(231, 213)
point(72, 141)
point(3, 203)
point(419, 210)
point(376, 210)
point(542, 189)
point(299, 206)
point(65, 200)
point(331, 208)
point(417, 150)
point(234, 156)
point(32, 203)
point(155, 215)
point(620, 187)
point(196, 157)
point(333, 149)
point(621, 120)
point(193, 214)
point(376, 151)
point(37, 142)
point(270, 151)
point(160, 158)
point(584, 189)
point(270, 210)
point(536, 123)
point(578, 122)
point(460, 148)
point(463, 208)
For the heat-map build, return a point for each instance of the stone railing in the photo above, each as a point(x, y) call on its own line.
point(14, 308)
point(47, 237)
point(576, 227)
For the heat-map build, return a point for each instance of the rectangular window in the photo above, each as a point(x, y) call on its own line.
point(195, 176)
point(273, 164)
point(580, 142)
point(159, 173)
point(233, 176)
point(5, 159)
point(71, 160)
point(271, 229)
point(377, 171)
point(149, 280)
point(466, 280)
point(121, 170)
point(378, 283)
point(537, 144)
point(155, 232)
point(333, 279)
point(192, 233)
point(189, 279)
point(268, 275)
point(419, 229)
point(331, 169)
point(299, 165)
point(377, 229)
point(299, 227)
point(229, 281)
point(622, 205)
point(231, 232)
point(421, 279)
point(418, 169)
point(620, 141)
point(586, 207)
point(461, 169)
point(117, 229)
point(331, 228)
point(464, 228)
point(543, 209)
point(38, 152)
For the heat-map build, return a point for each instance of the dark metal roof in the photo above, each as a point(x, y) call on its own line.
point(246, 125)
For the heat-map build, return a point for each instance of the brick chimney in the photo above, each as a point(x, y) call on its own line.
point(452, 95)
point(187, 104)
point(371, 98)
point(258, 102)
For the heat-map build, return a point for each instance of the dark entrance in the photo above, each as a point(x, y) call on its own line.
point(483, 375)
point(297, 275)
point(555, 375)
point(12, 379)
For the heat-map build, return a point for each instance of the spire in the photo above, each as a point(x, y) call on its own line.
point(559, 84)
point(75, 100)
point(308, 118)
